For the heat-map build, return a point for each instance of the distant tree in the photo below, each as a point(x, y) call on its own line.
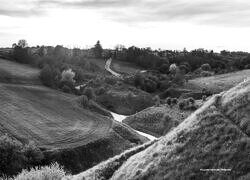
point(68, 77)
point(49, 75)
point(164, 68)
point(14, 45)
point(172, 68)
point(21, 55)
point(89, 92)
point(59, 51)
point(76, 52)
point(206, 67)
point(16, 156)
point(22, 43)
point(98, 50)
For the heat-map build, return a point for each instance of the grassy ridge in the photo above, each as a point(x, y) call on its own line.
point(215, 136)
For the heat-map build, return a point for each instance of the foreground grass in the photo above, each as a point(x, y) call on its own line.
point(51, 172)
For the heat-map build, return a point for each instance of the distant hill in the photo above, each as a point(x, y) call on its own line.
point(212, 143)
point(218, 83)
point(69, 134)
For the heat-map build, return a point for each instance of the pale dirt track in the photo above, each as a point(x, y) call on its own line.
point(50, 118)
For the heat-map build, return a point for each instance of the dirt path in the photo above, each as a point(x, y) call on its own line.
point(107, 67)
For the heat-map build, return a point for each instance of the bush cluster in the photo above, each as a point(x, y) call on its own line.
point(89, 93)
point(187, 104)
point(51, 172)
point(171, 101)
point(16, 156)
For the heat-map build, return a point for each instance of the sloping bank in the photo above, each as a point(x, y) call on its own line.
point(120, 118)
point(212, 143)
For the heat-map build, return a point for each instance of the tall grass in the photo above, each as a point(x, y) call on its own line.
point(51, 172)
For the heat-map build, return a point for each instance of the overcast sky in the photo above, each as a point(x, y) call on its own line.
point(165, 24)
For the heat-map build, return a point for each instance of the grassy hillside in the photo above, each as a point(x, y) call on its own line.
point(12, 72)
point(218, 83)
point(75, 137)
point(156, 121)
point(216, 136)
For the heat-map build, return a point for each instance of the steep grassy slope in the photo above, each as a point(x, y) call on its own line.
point(216, 136)
point(218, 83)
point(75, 137)
point(156, 121)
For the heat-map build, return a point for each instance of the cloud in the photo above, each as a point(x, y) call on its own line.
point(216, 12)
point(95, 4)
point(21, 12)
point(222, 13)
point(20, 8)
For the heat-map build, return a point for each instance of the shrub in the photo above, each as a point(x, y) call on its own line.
point(164, 68)
point(184, 68)
point(12, 157)
point(174, 101)
point(205, 67)
point(89, 92)
point(100, 91)
point(68, 76)
point(181, 105)
point(191, 100)
point(204, 98)
point(49, 76)
point(178, 77)
point(139, 80)
point(52, 172)
point(21, 55)
point(110, 80)
point(15, 156)
point(157, 101)
point(33, 154)
point(66, 88)
point(150, 85)
point(247, 66)
point(84, 101)
point(172, 68)
point(187, 104)
point(206, 73)
point(169, 101)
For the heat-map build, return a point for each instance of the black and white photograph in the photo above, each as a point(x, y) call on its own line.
point(124, 90)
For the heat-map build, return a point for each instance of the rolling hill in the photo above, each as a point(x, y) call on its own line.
point(156, 121)
point(216, 84)
point(75, 137)
point(212, 143)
